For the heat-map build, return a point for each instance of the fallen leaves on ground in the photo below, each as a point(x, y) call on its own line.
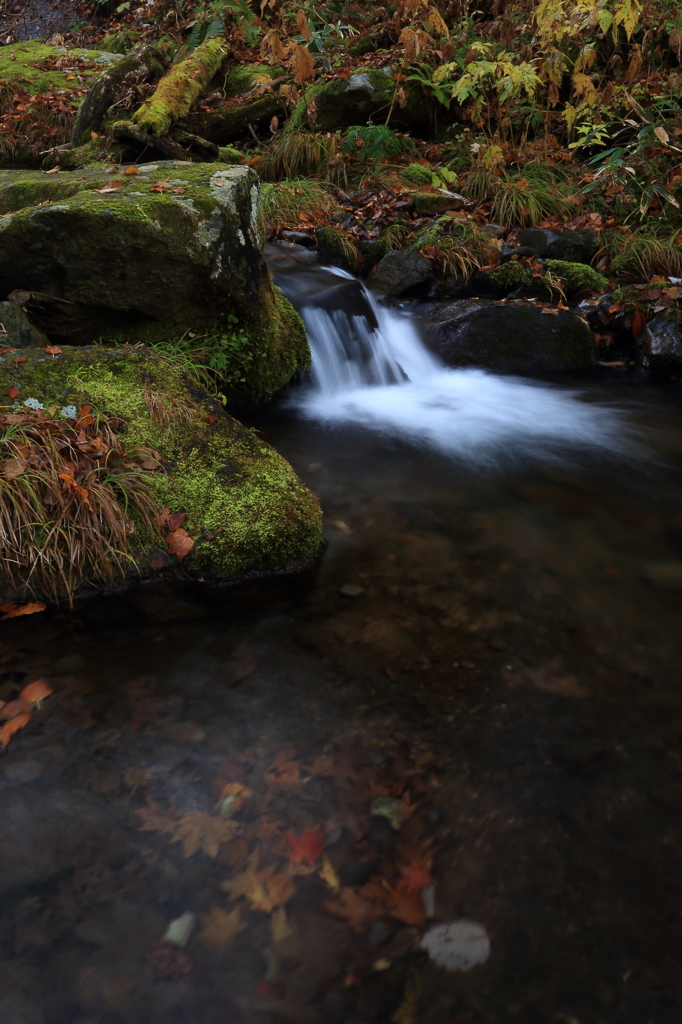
point(283, 772)
point(265, 889)
point(220, 928)
point(416, 876)
point(196, 830)
point(13, 611)
point(358, 911)
point(179, 543)
point(307, 847)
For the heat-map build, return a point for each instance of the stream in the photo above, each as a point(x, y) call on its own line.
point(233, 814)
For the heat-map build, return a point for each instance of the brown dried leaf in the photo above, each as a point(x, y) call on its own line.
point(179, 543)
point(13, 611)
point(13, 468)
point(220, 928)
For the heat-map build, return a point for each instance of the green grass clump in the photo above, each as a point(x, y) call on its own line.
point(525, 201)
point(284, 202)
point(645, 253)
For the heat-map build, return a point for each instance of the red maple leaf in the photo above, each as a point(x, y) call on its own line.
point(416, 877)
point(307, 847)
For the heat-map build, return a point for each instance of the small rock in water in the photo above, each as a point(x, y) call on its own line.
point(351, 590)
point(179, 930)
point(388, 807)
point(458, 946)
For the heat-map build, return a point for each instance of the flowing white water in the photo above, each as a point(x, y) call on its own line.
point(387, 380)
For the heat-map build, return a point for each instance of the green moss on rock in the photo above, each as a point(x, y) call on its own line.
point(577, 277)
point(177, 248)
point(418, 174)
point(504, 279)
point(246, 509)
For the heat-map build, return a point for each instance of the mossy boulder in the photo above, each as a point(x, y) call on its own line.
point(431, 204)
point(246, 510)
point(366, 95)
point(577, 277)
point(149, 257)
point(515, 337)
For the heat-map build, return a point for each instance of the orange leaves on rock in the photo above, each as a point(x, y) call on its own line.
point(170, 522)
point(179, 543)
point(53, 350)
point(161, 186)
point(415, 876)
point(111, 186)
point(131, 170)
point(12, 391)
point(13, 611)
point(307, 847)
point(14, 725)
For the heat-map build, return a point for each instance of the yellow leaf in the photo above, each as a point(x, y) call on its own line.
point(328, 875)
point(661, 134)
point(220, 928)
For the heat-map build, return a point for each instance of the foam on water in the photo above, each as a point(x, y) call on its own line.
point(385, 379)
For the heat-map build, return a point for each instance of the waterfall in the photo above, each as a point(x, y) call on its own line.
point(371, 369)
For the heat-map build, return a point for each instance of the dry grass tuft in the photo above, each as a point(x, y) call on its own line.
point(71, 501)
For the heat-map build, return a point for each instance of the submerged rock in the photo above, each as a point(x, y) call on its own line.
point(148, 257)
point(247, 512)
point(513, 337)
point(400, 270)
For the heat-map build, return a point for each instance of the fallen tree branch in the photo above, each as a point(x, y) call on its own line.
point(142, 64)
point(180, 88)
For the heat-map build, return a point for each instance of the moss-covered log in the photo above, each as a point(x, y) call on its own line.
point(142, 64)
point(180, 88)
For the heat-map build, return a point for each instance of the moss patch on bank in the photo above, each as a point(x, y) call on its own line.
point(246, 509)
point(41, 87)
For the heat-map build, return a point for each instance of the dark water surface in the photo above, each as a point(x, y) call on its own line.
point(508, 676)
